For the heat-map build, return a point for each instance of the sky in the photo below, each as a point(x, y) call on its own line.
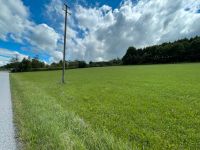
point(96, 31)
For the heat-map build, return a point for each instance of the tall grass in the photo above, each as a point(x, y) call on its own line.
point(44, 124)
point(135, 107)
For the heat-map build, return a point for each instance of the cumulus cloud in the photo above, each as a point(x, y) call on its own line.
point(6, 55)
point(44, 37)
point(3, 61)
point(102, 33)
point(54, 9)
point(10, 53)
point(13, 20)
point(15, 24)
point(108, 33)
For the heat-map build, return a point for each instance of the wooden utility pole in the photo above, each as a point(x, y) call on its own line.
point(65, 34)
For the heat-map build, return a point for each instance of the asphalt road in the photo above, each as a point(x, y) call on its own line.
point(7, 133)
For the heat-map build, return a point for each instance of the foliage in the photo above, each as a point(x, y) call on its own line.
point(186, 50)
point(114, 62)
point(27, 64)
point(129, 107)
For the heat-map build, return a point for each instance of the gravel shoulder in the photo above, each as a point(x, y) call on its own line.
point(7, 133)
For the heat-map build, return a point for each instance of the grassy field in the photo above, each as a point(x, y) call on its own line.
point(132, 107)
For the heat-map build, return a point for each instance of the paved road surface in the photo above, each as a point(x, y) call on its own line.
point(7, 137)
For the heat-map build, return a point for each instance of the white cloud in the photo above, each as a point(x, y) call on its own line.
point(108, 33)
point(54, 9)
point(6, 55)
point(15, 24)
point(102, 33)
point(47, 40)
point(10, 53)
point(13, 20)
point(3, 61)
point(44, 37)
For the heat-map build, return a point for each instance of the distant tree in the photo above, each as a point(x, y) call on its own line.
point(82, 64)
point(90, 63)
point(15, 59)
point(14, 63)
point(36, 63)
point(131, 57)
point(179, 51)
point(195, 46)
point(53, 65)
point(60, 64)
point(115, 62)
point(185, 50)
point(25, 65)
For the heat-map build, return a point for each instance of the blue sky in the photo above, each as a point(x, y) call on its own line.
point(37, 14)
point(97, 30)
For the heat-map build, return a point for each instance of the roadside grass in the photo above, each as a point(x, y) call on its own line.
point(132, 107)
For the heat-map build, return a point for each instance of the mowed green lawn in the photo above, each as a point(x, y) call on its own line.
point(127, 107)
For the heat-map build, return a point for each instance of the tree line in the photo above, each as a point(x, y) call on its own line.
point(34, 64)
point(28, 64)
point(185, 50)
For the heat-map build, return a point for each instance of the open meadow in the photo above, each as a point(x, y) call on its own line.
point(126, 107)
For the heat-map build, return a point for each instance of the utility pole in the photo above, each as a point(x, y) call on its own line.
point(65, 34)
